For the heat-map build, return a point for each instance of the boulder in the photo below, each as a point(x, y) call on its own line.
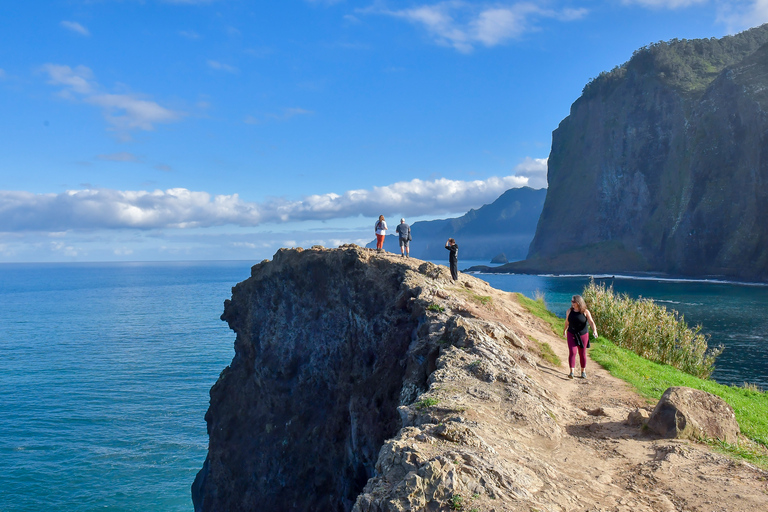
point(690, 413)
point(637, 418)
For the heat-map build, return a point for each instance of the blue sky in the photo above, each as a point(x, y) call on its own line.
point(225, 129)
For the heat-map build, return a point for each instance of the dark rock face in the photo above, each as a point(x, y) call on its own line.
point(690, 413)
point(321, 361)
point(662, 165)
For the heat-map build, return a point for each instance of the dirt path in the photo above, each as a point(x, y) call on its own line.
point(501, 430)
point(625, 469)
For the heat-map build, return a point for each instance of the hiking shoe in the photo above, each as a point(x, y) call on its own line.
point(570, 375)
point(583, 374)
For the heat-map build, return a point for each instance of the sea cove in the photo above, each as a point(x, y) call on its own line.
point(106, 370)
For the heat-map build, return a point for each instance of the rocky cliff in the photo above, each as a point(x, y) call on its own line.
point(365, 382)
point(662, 165)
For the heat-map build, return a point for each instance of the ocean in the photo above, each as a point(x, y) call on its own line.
point(105, 370)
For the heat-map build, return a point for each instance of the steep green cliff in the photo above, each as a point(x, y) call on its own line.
point(662, 165)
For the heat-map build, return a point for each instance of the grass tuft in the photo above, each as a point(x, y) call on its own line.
point(437, 308)
point(549, 355)
point(650, 330)
point(426, 403)
point(539, 309)
point(481, 299)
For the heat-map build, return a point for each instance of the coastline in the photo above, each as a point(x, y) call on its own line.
point(640, 276)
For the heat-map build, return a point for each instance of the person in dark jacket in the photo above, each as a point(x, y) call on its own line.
point(577, 333)
point(404, 232)
point(453, 258)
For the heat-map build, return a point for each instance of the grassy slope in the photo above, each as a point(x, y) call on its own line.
point(652, 379)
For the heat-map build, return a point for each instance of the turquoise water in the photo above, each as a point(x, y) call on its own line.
point(105, 371)
point(731, 314)
point(104, 377)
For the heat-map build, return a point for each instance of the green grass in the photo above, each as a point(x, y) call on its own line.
point(549, 355)
point(539, 309)
point(425, 403)
point(546, 352)
point(650, 330)
point(650, 380)
point(482, 299)
point(437, 308)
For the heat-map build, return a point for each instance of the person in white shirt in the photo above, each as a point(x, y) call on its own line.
point(381, 231)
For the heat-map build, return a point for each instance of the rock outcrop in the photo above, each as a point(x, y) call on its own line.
point(686, 413)
point(662, 166)
point(366, 382)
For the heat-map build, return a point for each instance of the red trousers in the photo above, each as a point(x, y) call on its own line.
point(379, 241)
point(573, 348)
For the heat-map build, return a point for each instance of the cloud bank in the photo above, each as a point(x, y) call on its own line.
point(75, 27)
point(742, 14)
point(180, 208)
point(664, 4)
point(123, 111)
point(535, 169)
point(464, 25)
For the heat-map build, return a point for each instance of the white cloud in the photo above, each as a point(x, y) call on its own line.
point(128, 112)
point(463, 25)
point(286, 114)
point(75, 27)
point(182, 208)
point(64, 249)
point(123, 111)
point(664, 4)
point(78, 80)
point(122, 156)
point(213, 64)
point(189, 2)
point(740, 15)
point(324, 2)
point(189, 34)
point(535, 170)
point(737, 15)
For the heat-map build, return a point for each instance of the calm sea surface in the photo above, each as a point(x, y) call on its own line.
point(105, 371)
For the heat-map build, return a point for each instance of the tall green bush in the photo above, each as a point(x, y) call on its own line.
point(650, 331)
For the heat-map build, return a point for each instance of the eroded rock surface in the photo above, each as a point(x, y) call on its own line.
point(687, 413)
point(368, 382)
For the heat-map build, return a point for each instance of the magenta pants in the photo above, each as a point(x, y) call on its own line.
point(573, 347)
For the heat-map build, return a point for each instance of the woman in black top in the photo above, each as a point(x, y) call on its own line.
point(453, 258)
point(577, 333)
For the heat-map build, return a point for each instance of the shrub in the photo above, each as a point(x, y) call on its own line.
point(426, 403)
point(650, 331)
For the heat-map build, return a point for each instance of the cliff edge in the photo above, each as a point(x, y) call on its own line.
point(367, 382)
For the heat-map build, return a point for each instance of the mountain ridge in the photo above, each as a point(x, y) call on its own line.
point(506, 225)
